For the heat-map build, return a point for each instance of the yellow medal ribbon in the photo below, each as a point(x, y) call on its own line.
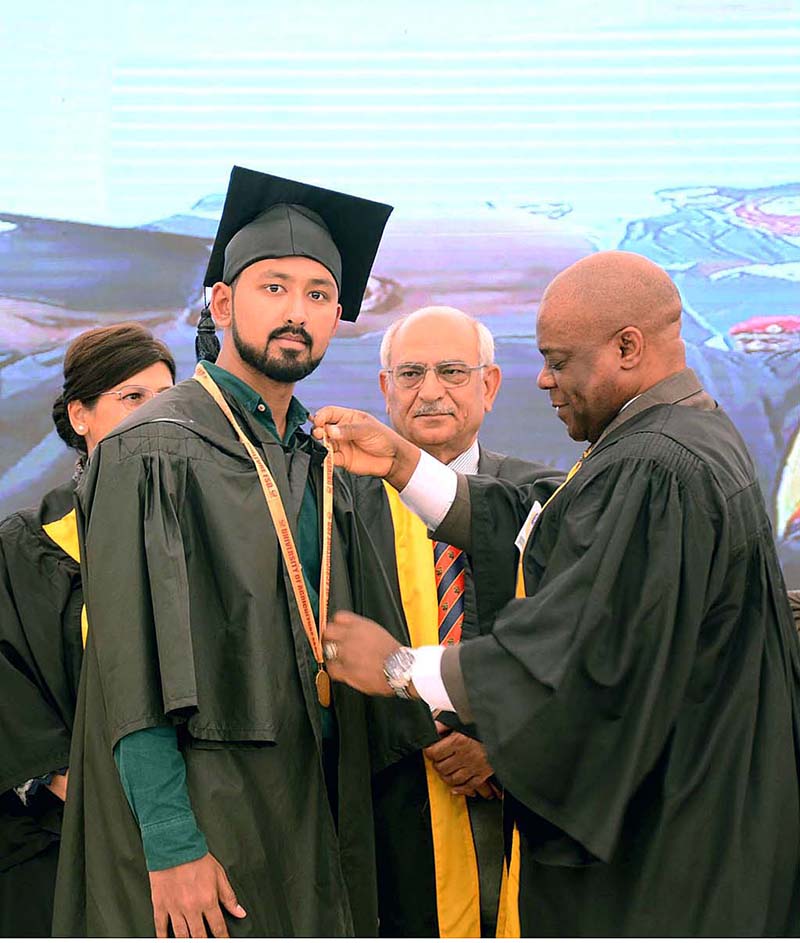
point(291, 558)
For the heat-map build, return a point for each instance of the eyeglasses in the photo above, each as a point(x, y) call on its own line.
point(408, 376)
point(131, 396)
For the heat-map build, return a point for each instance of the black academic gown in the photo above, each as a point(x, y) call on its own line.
point(641, 705)
point(406, 870)
point(192, 620)
point(40, 657)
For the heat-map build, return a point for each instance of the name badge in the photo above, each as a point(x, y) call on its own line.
point(527, 527)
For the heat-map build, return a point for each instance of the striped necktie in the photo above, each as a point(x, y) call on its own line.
point(449, 569)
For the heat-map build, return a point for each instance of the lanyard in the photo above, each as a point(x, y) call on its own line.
point(288, 549)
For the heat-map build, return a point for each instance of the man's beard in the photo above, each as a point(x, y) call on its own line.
point(289, 366)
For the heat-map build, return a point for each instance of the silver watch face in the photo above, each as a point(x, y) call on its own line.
point(397, 668)
point(401, 661)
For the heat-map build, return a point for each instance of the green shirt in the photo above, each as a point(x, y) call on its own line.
point(150, 764)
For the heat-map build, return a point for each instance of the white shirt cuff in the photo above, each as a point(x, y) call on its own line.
point(426, 675)
point(430, 491)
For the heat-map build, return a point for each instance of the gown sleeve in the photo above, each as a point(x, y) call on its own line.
point(136, 588)
point(34, 736)
point(576, 689)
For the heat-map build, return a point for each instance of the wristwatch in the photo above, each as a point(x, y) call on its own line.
point(397, 668)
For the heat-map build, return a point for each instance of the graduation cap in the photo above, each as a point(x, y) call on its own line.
point(266, 217)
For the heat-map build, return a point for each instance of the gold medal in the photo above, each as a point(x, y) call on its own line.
point(323, 683)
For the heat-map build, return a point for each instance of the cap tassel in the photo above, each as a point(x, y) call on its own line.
point(206, 344)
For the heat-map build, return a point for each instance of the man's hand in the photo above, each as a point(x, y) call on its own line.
point(365, 446)
point(362, 646)
point(461, 763)
point(58, 785)
point(189, 896)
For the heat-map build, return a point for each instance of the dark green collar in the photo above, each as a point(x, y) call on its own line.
point(250, 400)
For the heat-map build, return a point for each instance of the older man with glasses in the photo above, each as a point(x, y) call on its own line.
point(438, 824)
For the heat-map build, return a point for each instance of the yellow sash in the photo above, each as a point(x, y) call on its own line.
point(456, 866)
point(64, 533)
point(508, 911)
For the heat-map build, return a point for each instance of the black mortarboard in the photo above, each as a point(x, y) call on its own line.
point(266, 217)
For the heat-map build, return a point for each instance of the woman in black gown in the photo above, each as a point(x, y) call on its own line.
point(108, 372)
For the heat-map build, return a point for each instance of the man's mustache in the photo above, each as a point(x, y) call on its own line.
point(296, 332)
point(432, 409)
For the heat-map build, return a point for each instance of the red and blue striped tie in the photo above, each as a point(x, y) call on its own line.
point(449, 568)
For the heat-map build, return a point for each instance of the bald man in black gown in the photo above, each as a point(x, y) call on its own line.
point(639, 702)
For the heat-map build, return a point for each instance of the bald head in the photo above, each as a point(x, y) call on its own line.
point(611, 290)
point(609, 328)
point(443, 411)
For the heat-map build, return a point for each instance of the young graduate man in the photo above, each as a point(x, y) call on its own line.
point(217, 783)
point(640, 702)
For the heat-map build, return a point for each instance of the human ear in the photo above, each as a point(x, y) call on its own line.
point(631, 347)
point(221, 304)
point(492, 377)
point(383, 382)
point(78, 417)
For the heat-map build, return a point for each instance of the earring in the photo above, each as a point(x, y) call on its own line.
point(81, 430)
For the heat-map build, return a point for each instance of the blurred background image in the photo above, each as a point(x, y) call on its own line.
point(512, 141)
